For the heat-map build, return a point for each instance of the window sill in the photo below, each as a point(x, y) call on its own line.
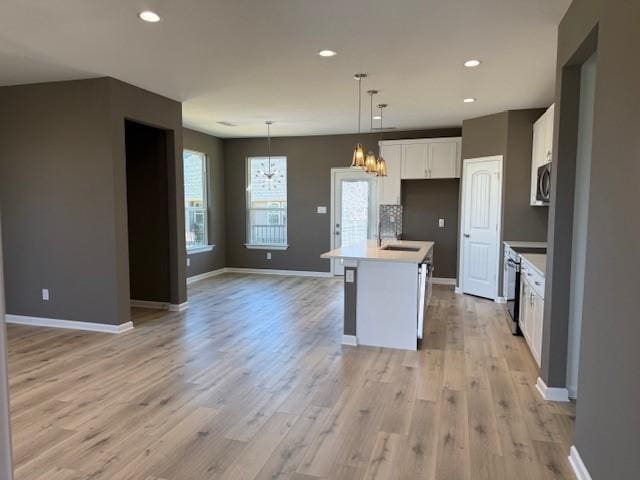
point(206, 248)
point(256, 246)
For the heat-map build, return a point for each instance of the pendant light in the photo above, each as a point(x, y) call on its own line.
point(370, 163)
point(358, 152)
point(266, 174)
point(381, 166)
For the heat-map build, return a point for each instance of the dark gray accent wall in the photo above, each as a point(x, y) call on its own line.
point(57, 196)
point(63, 192)
point(350, 302)
point(509, 134)
point(309, 163)
point(148, 222)
point(213, 148)
point(425, 202)
point(6, 468)
point(608, 417)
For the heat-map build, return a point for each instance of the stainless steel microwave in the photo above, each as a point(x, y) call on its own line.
point(543, 191)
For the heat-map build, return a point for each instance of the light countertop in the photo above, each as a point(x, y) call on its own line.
point(370, 251)
point(521, 244)
point(537, 261)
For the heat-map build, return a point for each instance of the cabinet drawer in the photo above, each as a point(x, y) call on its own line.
point(533, 278)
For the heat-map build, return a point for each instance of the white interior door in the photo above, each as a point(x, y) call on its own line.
point(482, 198)
point(5, 425)
point(353, 207)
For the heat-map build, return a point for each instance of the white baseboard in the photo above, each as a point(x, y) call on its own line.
point(181, 307)
point(269, 271)
point(443, 281)
point(70, 324)
point(553, 394)
point(578, 466)
point(500, 300)
point(350, 340)
point(203, 276)
point(172, 307)
point(458, 290)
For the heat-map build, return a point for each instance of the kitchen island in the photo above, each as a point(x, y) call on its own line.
point(386, 292)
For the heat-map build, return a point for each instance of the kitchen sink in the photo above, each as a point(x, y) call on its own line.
point(400, 248)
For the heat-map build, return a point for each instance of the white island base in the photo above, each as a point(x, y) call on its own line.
point(388, 296)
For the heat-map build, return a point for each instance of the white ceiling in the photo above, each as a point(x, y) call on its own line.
point(246, 61)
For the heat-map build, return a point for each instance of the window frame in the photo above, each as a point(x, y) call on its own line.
point(207, 246)
point(248, 208)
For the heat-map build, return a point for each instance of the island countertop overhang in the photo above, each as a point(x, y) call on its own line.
point(370, 251)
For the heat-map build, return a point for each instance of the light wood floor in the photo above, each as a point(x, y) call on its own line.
point(252, 383)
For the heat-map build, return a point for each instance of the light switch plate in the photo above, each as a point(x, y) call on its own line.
point(322, 210)
point(188, 262)
point(348, 276)
point(268, 255)
point(45, 294)
point(441, 222)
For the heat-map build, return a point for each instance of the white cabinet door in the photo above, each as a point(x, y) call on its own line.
point(389, 186)
point(536, 328)
point(442, 159)
point(542, 151)
point(525, 309)
point(548, 136)
point(414, 161)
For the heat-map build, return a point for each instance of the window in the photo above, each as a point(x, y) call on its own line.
point(195, 200)
point(266, 202)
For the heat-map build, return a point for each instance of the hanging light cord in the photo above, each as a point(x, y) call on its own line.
point(359, 102)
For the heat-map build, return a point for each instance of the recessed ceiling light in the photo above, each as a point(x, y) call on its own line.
point(149, 16)
point(469, 100)
point(472, 63)
point(327, 53)
point(377, 117)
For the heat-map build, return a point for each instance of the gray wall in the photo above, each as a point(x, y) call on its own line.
point(426, 201)
point(213, 148)
point(310, 160)
point(63, 191)
point(509, 134)
point(608, 417)
point(6, 469)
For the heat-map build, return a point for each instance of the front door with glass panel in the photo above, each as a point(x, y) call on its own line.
point(354, 210)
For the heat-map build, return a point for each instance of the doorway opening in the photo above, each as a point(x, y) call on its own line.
point(580, 219)
point(481, 226)
point(354, 215)
point(148, 213)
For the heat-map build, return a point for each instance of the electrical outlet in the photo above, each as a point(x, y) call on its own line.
point(322, 210)
point(45, 294)
point(268, 255)
point(441, 222)
point(348, 276)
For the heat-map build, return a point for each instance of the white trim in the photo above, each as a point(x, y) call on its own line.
point(578, 466)
point(71, 324)
point(202, 276)
point(500, 300)
point(443, 281)
point(418, 141)
point(458, 291)
point(256, 246)
point(178, 307)
point(465, 162)
point(350, 340)
point(552, 394)
point(269, 271)
point(202, 249)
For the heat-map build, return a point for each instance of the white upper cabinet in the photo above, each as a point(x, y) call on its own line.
point(389, 186)
point(542, 151)
point(417, 159)
point(443, 159)
point(414, 161)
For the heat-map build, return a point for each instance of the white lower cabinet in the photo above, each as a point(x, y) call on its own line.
point(531, 312)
